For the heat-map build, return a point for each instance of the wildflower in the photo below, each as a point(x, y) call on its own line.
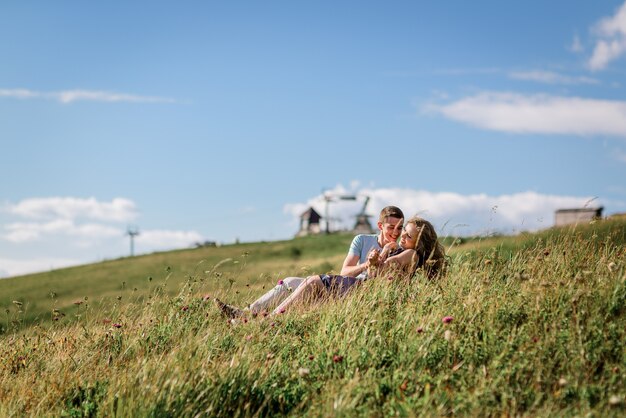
point(117, 325)
point(281, 282)
point(311, 357)
point(535, 339)
point(185, 308)
point(303, 371)
point(390, 278)
point(420, 330)
point(337, 358)
point(206, 297)
point(546, 252)
point(447, 319)
point(282, 310)
point(403, 385)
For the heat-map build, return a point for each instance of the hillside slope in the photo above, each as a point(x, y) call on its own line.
point(531, 325)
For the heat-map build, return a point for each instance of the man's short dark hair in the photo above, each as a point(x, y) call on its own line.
point(390, 211)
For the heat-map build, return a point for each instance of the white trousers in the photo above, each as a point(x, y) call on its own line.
point(276, 295)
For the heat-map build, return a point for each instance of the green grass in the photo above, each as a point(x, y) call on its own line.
point(538, 327)
point(248, 266)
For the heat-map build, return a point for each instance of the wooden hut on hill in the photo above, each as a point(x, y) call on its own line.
point(574, 216)
point(309, 223)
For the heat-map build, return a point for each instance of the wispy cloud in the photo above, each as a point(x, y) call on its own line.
point(452, 213)
point(20, 232)
point(70, 96)
point(576, 45)
point(167, 239)
point(541, 114)
point(117, 210)
point(619, 155)
point(468, 71)
point(77, 230)
point(13, 267)
point(611, 40)
point(550, 77)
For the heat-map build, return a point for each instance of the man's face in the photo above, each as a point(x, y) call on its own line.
point(390, 229)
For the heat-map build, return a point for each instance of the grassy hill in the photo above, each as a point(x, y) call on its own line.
point(250, 267)
point(535, 326)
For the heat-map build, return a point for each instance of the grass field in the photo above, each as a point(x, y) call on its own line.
point(246, 266)
point(531, 325)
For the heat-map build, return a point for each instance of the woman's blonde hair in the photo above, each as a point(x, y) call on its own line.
point(430, 255)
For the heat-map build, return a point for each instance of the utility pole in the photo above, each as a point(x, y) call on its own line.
point(132, 232)
point(329, 198)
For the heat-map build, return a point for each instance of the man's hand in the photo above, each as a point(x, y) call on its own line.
point(373, 258)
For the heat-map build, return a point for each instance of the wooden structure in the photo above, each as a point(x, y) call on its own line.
point(309, 223)
point(574, 216)
point(363, 225)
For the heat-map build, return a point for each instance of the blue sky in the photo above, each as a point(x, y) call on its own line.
point(225, 120)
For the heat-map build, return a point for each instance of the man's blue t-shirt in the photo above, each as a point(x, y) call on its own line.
point(362, 245)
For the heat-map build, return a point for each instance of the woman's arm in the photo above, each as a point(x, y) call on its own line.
point(403, 260)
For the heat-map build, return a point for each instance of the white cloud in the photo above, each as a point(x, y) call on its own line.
point(76, 230)
point(69, 96)
point(550, 77)
point(151, 240)
point(540, 113)
point(576, 45)
point(117, 210)
point(247, 210)
point(19, 93)
point(619, 155)
point(452, 213)
point(611, 43)
point(15, 267)
point(32, 231)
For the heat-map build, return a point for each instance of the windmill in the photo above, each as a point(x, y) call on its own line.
point(330, 198)
point(363, 225)
point(132, 232)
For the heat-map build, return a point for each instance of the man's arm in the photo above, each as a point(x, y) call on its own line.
point(351, 266)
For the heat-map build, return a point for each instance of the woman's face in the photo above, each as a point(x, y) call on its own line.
point(409, 236)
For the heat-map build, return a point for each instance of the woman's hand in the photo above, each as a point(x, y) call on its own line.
point(373, 258)
point(387, 249)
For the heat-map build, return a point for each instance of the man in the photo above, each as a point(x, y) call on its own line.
point(389, 224)
point(355, 264)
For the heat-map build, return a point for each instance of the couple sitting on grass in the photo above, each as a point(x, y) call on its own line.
point(367, 257)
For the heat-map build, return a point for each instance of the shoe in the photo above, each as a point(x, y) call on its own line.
point(229, 311)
